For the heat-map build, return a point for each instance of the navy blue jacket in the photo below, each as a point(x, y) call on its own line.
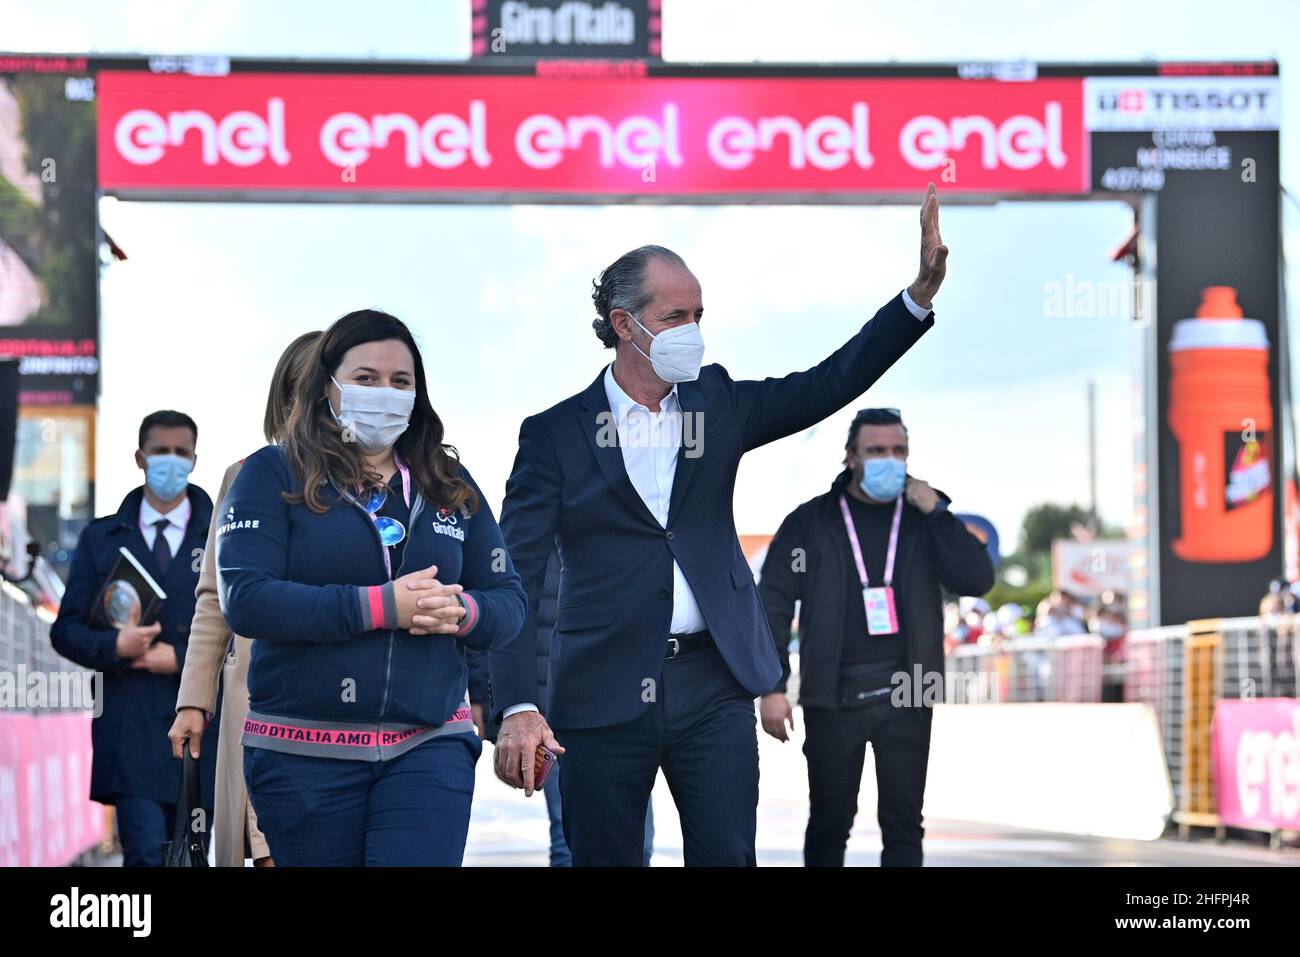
point(132, 754)
point(312, 592)
point(569, 486)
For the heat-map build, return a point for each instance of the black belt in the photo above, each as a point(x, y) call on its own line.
point(679, 645)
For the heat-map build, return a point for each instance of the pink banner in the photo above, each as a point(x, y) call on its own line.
point(46, 817)
point(1257, 762)
point(669, 136)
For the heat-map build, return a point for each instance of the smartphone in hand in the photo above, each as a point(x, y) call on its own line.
point(545, 760)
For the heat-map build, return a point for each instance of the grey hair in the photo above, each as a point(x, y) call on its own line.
point(621, 285)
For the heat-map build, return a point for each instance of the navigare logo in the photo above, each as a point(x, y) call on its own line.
point(75, 910)
point(230, 524)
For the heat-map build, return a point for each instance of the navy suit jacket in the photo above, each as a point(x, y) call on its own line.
point(132, 754)
point(569, 488)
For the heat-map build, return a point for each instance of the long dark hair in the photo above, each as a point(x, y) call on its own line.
point(314, 442)
point(294, 361)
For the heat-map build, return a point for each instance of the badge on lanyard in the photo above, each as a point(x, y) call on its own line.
point(882, 618)
point(882, 613)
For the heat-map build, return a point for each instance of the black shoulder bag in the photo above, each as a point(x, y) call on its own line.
point(185, 849)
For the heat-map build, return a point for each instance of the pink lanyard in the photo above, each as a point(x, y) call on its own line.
point(406, 479)
point(857, 548)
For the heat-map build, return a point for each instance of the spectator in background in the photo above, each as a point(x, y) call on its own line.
point(164, 524)
point(1055, 617)
point(1076, 611)
point(953, 629)
point(208, 663)
point(1290, 594)
point(973, 610)
point(1271, 608)
point(1011, 618)
point(480, 700)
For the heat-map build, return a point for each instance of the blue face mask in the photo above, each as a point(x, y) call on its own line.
point(167, 475)
point(883, 478)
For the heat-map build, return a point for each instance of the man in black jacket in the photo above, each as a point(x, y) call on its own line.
point(866, 562)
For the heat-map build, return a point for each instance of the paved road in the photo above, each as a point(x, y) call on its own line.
point(508, 829)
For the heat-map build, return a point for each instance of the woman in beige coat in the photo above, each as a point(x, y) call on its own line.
point(214, 653)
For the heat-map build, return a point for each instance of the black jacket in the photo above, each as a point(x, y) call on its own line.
point(132, 755)
point(948, 555)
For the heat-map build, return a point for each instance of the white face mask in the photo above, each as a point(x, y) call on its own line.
point(377, 415)
point(675, 353)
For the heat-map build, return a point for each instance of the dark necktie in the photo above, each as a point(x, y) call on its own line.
point(162, 552)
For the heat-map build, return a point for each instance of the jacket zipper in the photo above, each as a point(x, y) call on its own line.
point(392, 634)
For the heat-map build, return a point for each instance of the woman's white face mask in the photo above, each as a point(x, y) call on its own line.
point(376, 415)
point(675, 353)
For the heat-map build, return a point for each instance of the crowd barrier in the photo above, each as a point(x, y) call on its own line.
point(1184, 673)
point(1023, 670)
point(46, 704)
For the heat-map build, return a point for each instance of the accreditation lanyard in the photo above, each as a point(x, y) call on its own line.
point(406, 495)
point(882, 613)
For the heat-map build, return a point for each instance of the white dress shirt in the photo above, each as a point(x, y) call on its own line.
point(913, 308)
point(650, 442)
point(177, 521)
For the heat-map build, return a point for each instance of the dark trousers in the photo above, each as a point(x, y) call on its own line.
point(700, 728)
point(835, 742)
point(143, 826)
point(560, 856)
point(408, 811)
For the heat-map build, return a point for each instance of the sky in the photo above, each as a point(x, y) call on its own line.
point(994, 396)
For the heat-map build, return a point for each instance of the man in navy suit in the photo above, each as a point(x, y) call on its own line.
point(164, 524)
point(661, 644)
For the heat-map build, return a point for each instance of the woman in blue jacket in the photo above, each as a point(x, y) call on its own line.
point(359, 556)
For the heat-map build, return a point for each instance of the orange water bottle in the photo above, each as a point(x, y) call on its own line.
point(1221, 414)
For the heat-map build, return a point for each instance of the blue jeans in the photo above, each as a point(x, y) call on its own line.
point(560, 855)
point(409, 811)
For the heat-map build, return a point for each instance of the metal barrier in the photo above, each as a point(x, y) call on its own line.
point(1154, 662)
point(25, 636)
point(44, 744)
point(1181, 671)
point(1202, 687)
point(1033, 668)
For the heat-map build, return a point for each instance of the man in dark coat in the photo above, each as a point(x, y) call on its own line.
point(164, 524)
point(866, 562)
